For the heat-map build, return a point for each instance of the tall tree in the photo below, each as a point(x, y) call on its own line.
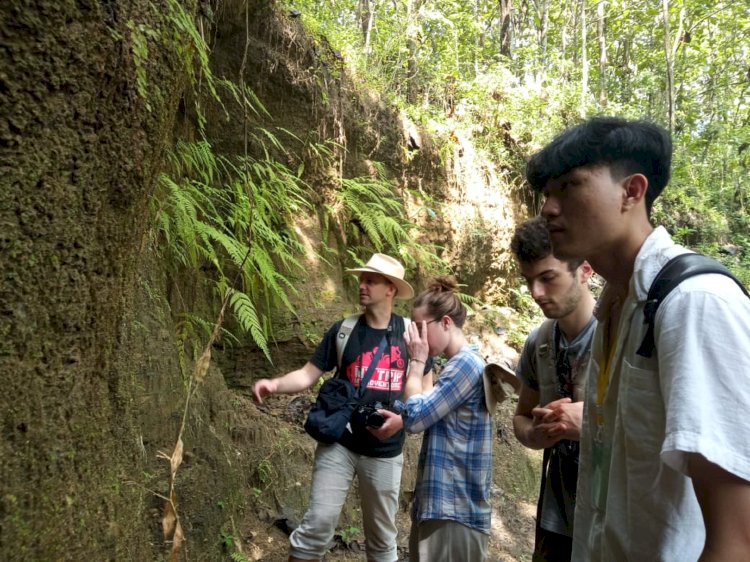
point(366, 12)
point(412, 7)
point(670, 50)
point(601, 36)
point(584, 61)
point(506, 9)
point(542, 17)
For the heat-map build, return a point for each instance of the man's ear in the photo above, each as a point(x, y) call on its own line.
point(586, 271)
point(634, 191)
point(392, 290)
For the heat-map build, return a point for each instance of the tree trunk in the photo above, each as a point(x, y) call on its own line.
point(670, 65)
point(601, 36)
point(505, 27)
point(542, 9)
point(670, 52)
point(366, 10)
point(412, 6)
point(584, 61)
point(479, 41)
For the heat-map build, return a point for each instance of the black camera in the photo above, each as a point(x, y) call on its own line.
point(368, 416)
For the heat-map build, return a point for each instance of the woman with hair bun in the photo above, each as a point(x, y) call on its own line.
point(451, 510)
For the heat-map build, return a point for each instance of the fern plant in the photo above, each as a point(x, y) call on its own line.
point(232, 222)
point(370, 215)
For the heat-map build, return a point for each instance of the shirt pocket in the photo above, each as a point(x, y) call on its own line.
point(641, 412)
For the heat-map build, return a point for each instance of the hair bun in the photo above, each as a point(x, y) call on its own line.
point(444, 284)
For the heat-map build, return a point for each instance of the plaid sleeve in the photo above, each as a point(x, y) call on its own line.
point(458, 382)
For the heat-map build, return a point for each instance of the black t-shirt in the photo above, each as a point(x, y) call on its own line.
point(386, 384)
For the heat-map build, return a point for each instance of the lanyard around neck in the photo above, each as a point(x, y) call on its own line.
point(605, 370)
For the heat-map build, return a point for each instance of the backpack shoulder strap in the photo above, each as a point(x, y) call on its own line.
point(544, 353)
point(672, 274)
point(546, 336)
point(343, 336)
point(544, 343)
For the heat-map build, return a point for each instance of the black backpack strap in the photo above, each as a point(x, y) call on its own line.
point(672, 274)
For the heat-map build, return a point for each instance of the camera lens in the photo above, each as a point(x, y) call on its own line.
point(375, 420)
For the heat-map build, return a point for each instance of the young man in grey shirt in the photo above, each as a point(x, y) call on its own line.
point(552, 369)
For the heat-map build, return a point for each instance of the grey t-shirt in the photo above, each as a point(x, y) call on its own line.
point(558, 499)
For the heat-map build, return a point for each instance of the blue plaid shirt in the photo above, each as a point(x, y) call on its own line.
point(454, 475)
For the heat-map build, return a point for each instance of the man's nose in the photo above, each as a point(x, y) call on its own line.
point(536, 288)
point(551, 207)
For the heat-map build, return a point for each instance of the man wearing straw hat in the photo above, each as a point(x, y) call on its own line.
point(552, 369)
point(372, 454)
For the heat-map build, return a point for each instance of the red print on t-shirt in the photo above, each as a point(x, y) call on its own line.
point(388, 375)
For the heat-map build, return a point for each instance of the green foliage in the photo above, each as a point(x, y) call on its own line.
point(229, 543)
point(450, 63)
point(190, 45)
point(264, 470)
point(229, 220)
point(140, 34)
point(469, 300)
point(371, 210)
point(348, 533)
point(372, 215)
point(227, 539)
point(529, 316)
point(232, 223)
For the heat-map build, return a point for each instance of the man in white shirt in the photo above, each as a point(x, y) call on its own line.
point(665, 444)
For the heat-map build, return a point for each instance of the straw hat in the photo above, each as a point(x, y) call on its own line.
point(500, 382)
point(389, 268)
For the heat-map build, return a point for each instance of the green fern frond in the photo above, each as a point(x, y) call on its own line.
point(289, 133)
point(246, 314)
point(370, 225)
point(189, 42)
point(273, 139)
point(254, 102)
point(266, 270)
point(210, 209)
point(238, 557)
point(469, 299)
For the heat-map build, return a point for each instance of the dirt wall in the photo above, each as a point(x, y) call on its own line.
point(79, 152)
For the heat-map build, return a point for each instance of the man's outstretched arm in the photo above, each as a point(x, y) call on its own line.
point(295, 381)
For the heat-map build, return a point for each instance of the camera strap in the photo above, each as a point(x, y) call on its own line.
point(371, 369)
